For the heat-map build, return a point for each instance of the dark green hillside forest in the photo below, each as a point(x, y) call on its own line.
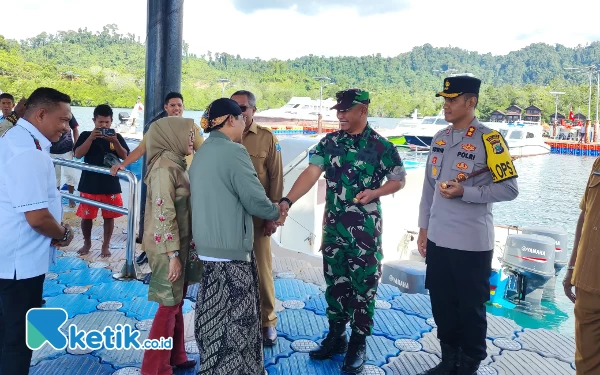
point(108, 67)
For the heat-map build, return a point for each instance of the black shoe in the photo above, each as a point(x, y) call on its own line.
point(269, 335)
point(449, 364)
point(357, 354)
point(336, 342)
point(142, 258)
point(467, 365)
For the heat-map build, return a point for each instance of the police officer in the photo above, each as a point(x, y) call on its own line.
point(265, 153)
point(355, 160)
point(457, 227)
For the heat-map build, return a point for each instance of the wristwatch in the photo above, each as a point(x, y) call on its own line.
point(66, 235)
point(285, 199)
point(175, 254)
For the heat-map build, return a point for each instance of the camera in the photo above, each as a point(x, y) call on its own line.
point(107, 132)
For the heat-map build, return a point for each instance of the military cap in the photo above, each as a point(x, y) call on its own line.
point(458, 85)
point(349, 98)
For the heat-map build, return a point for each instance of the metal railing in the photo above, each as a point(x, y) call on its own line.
point(130, 269)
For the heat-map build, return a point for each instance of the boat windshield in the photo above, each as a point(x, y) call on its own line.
point(434, 120)
point(504, 132)
point(516, 134)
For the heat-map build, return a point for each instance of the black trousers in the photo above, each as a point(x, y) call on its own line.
point(459, 286)
point(16, 298)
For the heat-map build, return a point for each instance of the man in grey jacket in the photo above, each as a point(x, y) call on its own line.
point(457, 227)
point(225, 194)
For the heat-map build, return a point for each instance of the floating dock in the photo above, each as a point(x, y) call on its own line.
point(574, 148)
point(404, 338)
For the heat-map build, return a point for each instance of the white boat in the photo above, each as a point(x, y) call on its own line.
point(298, 110)
point(422, 134)
point(523, 139)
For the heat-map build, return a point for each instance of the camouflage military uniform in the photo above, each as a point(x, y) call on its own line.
point(352, 232)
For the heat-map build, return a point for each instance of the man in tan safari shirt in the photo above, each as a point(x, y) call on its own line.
point(264, 150)
point(583, 273)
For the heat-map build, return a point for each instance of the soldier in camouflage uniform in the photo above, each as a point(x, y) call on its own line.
point(355, 160)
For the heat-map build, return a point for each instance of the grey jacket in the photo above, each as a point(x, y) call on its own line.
point(463, 223)
point(225, 194)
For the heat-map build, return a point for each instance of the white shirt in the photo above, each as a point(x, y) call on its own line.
point(137, 108)
point(27, 183)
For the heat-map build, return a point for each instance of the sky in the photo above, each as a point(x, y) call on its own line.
point(286, 29)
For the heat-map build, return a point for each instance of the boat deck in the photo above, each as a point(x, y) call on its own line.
point(404, 339)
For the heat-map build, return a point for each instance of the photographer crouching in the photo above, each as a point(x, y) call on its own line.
point(102, 147)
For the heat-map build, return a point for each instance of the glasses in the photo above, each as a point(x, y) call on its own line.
point(245, 107)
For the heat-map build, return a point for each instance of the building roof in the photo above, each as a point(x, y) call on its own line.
point(533, 106)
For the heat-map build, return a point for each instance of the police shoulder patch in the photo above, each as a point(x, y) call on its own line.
point(498, 158)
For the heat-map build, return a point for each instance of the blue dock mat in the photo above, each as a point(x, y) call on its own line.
point(395, 324)
point(98, 320)
point(281, 349)
point(498, 326)
point(123, 358)
point(414, 304)
point(72, 365)
point(44, 353)
point(118, 291)
point(301, 324)
point(379, 349)
point(292, 289)
point(141, 309)
point(88, 276)
point(411, 363)
point(301, 364)
point(387, 292)
point(74, 304)
point(525, 363)
point(68, 264)
point(192, 292)
point(548, 344)
point(316, 304)
point(52, 288)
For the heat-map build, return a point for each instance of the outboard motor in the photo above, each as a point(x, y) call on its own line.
point(560, 258)
point(123, 118)
point(529, 262)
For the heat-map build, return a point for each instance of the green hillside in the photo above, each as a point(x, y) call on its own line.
point(108, 67)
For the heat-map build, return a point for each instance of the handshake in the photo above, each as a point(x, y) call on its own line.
point(271, 226)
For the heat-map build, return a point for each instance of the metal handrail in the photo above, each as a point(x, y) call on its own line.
point(130, 269)
point(304, 155)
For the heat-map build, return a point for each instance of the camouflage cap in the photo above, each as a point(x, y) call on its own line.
point(349, 98)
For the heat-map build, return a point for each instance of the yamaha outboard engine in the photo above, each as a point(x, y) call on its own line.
point(560, 258)
point(529, 262)
point(123, 118)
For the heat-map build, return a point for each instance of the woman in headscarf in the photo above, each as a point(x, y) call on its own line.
point(226, 194)
point(167, 237)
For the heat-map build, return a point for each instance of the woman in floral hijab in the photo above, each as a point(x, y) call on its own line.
point(167, 237)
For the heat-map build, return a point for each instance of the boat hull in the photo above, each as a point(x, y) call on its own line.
point(421, 141)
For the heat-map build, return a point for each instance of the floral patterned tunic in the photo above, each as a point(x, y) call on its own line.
point(167, 227)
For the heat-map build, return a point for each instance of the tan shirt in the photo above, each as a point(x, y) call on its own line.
point(4, 126)
point(264, 150)
point(586, 274)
